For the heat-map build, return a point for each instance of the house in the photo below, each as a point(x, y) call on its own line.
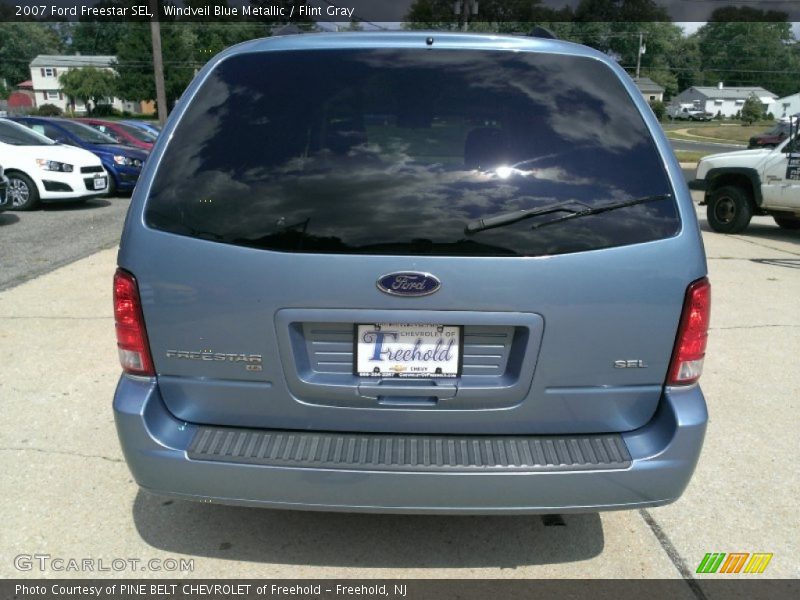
point(727, 101)
point(46, 70)
point(786, 106)
point(651, 91)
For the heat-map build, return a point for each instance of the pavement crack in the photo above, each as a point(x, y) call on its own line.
point(61, 452)
point(673, 554)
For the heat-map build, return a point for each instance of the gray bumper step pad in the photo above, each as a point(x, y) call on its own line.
point(410, 453)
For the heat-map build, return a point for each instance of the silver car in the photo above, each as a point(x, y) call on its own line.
point(435, 273)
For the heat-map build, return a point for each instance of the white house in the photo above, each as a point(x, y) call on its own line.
point(786, 106)
point(725, 100)
point(46, 70)
point(649, 89)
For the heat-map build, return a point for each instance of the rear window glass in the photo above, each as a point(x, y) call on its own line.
point(396, 151)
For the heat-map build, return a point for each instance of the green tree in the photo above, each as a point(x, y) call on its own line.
point(20, 43)
point(88, 85)
point(135, 61)
point(752, 110)
point(749, 53)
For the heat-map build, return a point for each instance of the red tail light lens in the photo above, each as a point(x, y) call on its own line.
point(690, 345)
point(132, 345)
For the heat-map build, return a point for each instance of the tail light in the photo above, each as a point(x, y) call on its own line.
point(132, 345)
point(690, 345)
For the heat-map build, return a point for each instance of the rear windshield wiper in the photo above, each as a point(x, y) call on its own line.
point(573, 208)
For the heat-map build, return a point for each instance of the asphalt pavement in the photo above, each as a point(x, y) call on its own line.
point(710, 147)
point(67, 491)
point(36, 242)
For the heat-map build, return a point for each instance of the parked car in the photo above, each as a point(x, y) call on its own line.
point(3, 190)
point(39, 169)
point(154, 130)
point(123, 163)
point(412, 280)
point(122, 133)
point(771, 138)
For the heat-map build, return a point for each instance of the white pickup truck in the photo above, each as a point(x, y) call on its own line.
point(741, 184)
point(688, 112)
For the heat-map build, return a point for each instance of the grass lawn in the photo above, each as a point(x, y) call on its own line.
point(687, 156)
point(722, 132)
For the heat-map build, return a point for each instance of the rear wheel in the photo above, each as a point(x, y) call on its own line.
point(729, 209)
point(22, 192)
point(788, 222)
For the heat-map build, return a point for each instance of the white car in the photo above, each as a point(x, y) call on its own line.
point(39, 169)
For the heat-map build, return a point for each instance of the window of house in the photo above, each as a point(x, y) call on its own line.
point(49, 72)
point(52, 95)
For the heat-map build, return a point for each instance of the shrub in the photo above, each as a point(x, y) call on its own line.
point(49, 110)
point(752, 110)
point(658, 108)
point(105, 110)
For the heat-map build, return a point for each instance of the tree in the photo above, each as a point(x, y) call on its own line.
point(135, 60)
point(20, 43)
point(88, 85)
point(749, 53)
point(752, 110)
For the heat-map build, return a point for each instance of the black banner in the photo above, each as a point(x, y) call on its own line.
point(381, 12)
point(397, 589)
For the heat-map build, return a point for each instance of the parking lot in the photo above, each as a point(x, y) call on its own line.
point(68, 493)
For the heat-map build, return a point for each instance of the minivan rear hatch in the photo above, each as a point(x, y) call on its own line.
point(299, 183)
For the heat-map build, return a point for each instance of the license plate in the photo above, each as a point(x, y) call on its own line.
point(408, 350)
point(99, 183)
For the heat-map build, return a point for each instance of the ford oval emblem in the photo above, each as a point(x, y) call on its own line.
point(408, 283)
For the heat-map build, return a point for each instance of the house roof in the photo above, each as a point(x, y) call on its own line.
point(25, 84)
point(645, 84)
point(72, 60)
point(733, 93)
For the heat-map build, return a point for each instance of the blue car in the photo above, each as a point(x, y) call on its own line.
point(144, 126)
point(123, 163)
point(438, 273)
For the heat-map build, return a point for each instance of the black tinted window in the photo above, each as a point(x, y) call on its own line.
point(395, 151)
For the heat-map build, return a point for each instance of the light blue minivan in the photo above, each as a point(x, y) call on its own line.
point(412, 272)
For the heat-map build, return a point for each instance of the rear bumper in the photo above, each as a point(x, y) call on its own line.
point(663, 456)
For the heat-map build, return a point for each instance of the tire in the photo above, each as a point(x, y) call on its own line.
point(729, 209)
point(112, 186)
point(22, 192)
point(788, 222)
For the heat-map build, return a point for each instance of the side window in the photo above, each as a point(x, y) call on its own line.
point(55, 134)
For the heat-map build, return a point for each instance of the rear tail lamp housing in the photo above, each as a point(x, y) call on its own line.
point(690, 345)
point(132, 344)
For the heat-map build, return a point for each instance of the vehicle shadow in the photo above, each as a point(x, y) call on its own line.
point(68, 206)
point(362, 540)
point(7, 218)
point(760, 231)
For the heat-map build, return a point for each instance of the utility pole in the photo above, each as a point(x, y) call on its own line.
point(639, 51)
point(158, 63)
